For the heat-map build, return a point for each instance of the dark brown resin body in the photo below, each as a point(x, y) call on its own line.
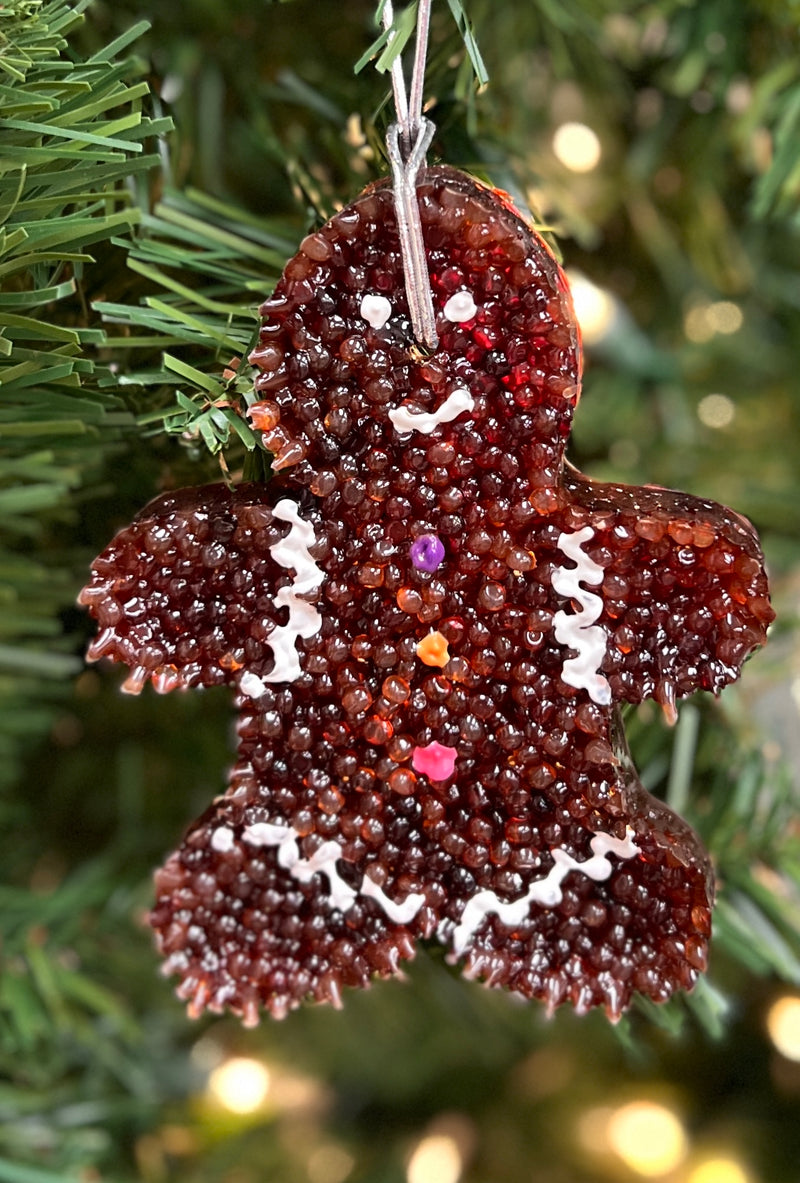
point(187, 596)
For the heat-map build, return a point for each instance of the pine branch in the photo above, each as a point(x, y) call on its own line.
point(210, 266)
point(392, 42)
point(74, 141)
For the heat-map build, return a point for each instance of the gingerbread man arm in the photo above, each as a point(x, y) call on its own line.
point(208, 586)
point(684, 591)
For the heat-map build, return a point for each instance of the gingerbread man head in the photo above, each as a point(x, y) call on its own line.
point(428, 619)
point(340, 374)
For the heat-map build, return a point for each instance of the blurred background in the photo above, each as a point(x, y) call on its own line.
point(659, 143)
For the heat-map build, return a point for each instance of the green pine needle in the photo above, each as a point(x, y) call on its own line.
point(74, 134)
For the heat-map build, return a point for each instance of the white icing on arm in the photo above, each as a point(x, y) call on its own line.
point(408, 419)
point(272, 834)
point(292, 551)
point(323, 862)
point(577, 630)
point(304, 619)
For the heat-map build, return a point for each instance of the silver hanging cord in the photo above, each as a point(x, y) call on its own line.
point(418, 73)
point(398, 81)
point(409, 228)
point(407, 142)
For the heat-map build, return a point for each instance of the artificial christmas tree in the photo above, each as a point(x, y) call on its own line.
point(683, 229)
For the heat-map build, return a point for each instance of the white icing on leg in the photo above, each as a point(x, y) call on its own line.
point(323, 862)
point(376, 310)
point(304, 619)
point(546, 891)
point(460, 307)
point(410, 419)
point(577, 630)
point(398, 913)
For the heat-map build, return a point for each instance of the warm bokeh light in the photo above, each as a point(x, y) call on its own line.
point(593, 1129)
point(207, 1054)
point(704, 321)
point(783, 1025)
point(648, 1137)
point(594, 308)
point(725, 317)
point(178, 1139)
point(436, 1159)
point(329, 1164)
point(240, 1084)
point(719, 1170)
point(696, 325)
point(716, 410)
point(577, 147)
point(739, 96)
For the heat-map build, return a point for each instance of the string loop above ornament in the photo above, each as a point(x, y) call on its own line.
point(407, 143)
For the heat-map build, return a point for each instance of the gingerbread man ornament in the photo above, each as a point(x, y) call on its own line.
point(428, 619)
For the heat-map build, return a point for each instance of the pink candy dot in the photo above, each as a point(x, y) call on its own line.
point(435, 760)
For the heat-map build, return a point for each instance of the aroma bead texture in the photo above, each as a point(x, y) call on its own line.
point(428, 619)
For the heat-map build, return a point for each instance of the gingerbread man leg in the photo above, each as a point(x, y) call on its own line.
point(252, 914)
point(603, 915)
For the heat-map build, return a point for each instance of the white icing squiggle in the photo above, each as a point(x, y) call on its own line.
point(323, 862)
point(398, 913)
point(545, 891)
point(292, 551)
point(577, 630)
point(408, 419)
point(304, 619)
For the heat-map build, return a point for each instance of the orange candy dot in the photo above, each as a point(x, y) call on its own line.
point(433, 650)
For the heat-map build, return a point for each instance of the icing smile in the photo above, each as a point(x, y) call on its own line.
point(411, 418)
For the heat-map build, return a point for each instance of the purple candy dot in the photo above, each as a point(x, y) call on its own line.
point(427, 552)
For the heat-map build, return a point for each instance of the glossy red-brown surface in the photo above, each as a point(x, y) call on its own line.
point(341, 754)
